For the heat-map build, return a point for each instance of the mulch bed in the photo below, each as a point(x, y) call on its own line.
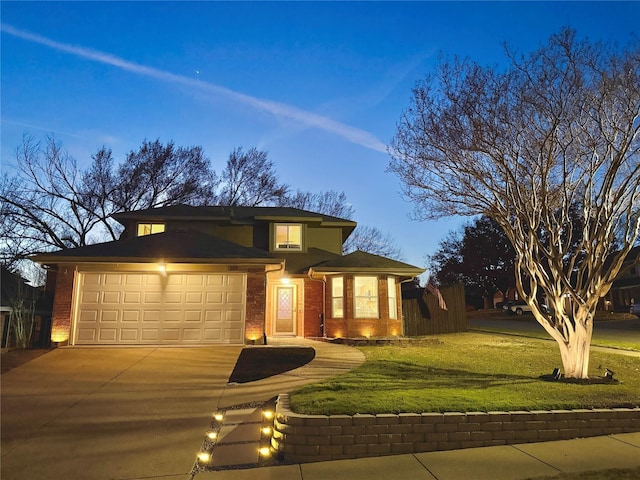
point(256, 363)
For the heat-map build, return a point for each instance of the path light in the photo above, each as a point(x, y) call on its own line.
point(218, 417)
point(608, 374)
point(266, 430)
point(212, 435)
point(265, 451)
point(268, 414)
point(204, 457)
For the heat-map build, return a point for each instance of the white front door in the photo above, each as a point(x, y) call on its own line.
point(285, 310)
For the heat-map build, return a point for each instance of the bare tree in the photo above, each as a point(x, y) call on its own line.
point(158, 175)
point(558, 129)
point(329, 202)
point(249, 179)
point(372, 240)
point(52, 204)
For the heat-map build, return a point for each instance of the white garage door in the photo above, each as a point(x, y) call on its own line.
point(139, 308)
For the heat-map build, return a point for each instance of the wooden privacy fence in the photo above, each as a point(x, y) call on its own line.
point(422, 314)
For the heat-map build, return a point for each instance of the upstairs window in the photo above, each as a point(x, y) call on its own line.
point(365, 297)
point(150, 228)
point(288, 236)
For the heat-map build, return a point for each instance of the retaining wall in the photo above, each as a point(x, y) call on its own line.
point(313, 438)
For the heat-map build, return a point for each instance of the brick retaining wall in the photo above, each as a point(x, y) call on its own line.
point(313, 438)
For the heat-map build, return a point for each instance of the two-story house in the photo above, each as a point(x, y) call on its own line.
point(203, 275)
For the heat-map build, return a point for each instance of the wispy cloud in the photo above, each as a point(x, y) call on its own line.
point(280, 110)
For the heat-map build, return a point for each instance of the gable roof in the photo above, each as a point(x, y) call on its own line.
point(363, 262)
point(172, 246)
point(236, 215)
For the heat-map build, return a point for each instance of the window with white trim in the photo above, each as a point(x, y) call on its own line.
point(365, 297)
point(337, 297)
point(393, 299)
point(150, 228)
point(288, 236)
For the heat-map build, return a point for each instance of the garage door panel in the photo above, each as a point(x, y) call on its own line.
point(89, 316)
point(134, 279)
point(214, 298)
point(150, 334)
point(215, 280)
point(173, 297)
point(110, 297)
point(91, 279)
point(213, 316)
point(213, 334)
point(173, 316)
point(193, 316)
point(112, 279)
point(136, 308)
point(129, 334)
point(152, 297)
point(131, 316)
point(233, 334)
point(132, 297)
point(108, 334)
point(235, 281)
point(87, 335)
point(90, 297)
point(234, 297)
point(171, 334)
point(109, 316)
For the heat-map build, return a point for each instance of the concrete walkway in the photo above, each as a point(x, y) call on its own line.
point(514, 462)
point(129, 413)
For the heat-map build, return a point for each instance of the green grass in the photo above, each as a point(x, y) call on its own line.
point(467, 372)
point(597, 340)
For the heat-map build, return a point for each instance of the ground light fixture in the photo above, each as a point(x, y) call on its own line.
point(212, 435)
point(266, 430)
point(265, 451)
point(268, 414)
point(218, 416)
point(204, 457)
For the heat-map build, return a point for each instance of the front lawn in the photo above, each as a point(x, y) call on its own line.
point(468, 372)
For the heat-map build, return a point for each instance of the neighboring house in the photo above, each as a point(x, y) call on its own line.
point(626, 287)
point(203, 275)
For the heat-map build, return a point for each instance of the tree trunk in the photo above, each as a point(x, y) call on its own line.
point(575, 351)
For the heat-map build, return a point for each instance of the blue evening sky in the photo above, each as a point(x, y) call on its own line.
point(319, 85)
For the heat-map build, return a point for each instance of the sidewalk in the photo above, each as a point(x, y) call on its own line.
point(514, 462)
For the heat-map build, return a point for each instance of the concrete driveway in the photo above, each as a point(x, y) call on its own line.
point(110, 413)
point(132, 413)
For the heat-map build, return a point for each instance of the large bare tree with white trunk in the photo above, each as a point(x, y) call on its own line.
point(555, 132)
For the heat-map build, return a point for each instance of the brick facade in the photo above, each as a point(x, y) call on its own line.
point(313, 297)
point(256, 306)
point(313, 438)
point(62, 303)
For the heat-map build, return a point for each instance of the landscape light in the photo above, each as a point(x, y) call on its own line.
point(212, 435)
point(265, 451)
point(268, 414)
point(608, 374)
point(218, 417)
point(266, 430)
point(204, 457)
